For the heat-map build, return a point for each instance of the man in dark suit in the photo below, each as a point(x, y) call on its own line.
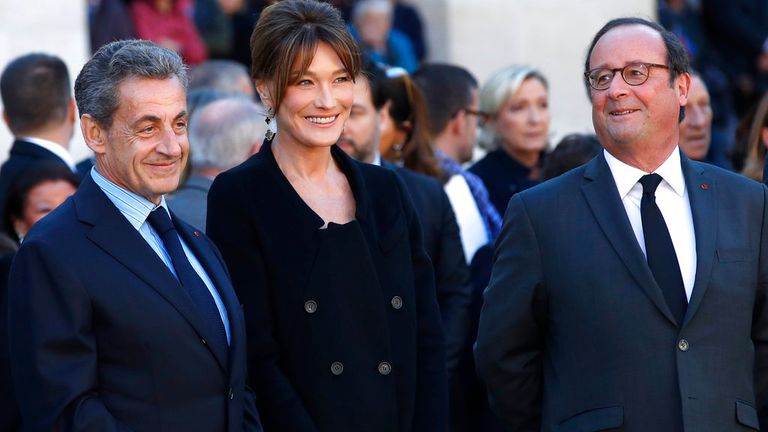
point(360, 140)
point(630, 293)
point(40, 113)
point(122, 317)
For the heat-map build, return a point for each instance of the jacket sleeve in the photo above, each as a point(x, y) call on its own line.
point(508, 352)
point(232, 229)
point(760, 322)
point(54, 361)
point(431, 409)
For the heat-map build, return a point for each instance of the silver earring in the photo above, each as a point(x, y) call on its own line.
point(270, 133)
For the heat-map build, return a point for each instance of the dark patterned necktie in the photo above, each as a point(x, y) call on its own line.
point(659, 250)
point(189, 279)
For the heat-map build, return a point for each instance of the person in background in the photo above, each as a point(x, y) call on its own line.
point(407, 19)
point(516, 133)
point(696, 127)
point(108, 21)
point(169, 24)
point(33, 194)
point(752, 141)
point(326, 252)
point(372, 28)
point(223, 75)
point(222, 135)
point(572, 151)
point(214, 22)
point(39, 110)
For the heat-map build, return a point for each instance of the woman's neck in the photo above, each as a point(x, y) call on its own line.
point(298, 161)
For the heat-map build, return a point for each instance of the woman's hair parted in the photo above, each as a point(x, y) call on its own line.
point(285, 39)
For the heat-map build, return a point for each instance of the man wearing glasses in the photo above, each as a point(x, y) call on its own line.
point(630, 294)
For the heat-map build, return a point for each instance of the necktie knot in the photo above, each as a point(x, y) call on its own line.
point(650, 182)
point(160, 221)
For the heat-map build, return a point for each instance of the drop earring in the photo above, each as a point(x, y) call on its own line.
point(271, 129)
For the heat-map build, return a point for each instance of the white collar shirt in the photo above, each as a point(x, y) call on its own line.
point(54, 148)
point(672, 200)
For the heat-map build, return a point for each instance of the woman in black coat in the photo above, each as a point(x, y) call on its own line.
point(325, 252)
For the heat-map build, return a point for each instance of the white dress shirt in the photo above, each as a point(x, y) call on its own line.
point(471, 226)
point(54, 148)
point(672, 200)
point(136, 209)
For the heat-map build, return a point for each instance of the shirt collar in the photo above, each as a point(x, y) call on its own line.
point(626, 176)
point(134, 207)
point(54, 148)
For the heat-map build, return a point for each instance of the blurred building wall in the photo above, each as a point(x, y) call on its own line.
point(55, 27)
point(552, 35)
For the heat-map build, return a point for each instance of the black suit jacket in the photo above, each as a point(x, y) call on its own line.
point(270, 239)
point(103, 337)
point(575, 333)
point(22, 156)
point(443, 245)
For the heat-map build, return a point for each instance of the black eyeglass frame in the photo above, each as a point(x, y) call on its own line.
point(613, 71)
point(482, 116)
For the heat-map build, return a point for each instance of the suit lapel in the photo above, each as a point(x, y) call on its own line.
point(117, 237)
point(603, 198)
point(701, 194)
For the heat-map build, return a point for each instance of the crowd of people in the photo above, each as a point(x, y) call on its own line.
point(310, 245)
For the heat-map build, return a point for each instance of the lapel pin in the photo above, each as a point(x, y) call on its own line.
point(196, 233)
point(704, 186)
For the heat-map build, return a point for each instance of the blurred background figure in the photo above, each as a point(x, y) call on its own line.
point(752, 140)
point(223, 75)
point(214, 20)
point(572, 151)
point(222, 135)
point(33, 194)
point(372, 28)
point(407, 19)
point(696, 128)
point(453, 115)
point(516, 100)
point(108, 21)
point(169, 24)
point(39, 111)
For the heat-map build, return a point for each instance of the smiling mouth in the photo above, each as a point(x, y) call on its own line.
point(622, 112)
point(322, 120)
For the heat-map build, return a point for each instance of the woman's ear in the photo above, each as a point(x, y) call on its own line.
point(265, 94)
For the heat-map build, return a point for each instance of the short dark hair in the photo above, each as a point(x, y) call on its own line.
point(97, 84)
point(572, 151)
point(287, 35)
point(35, 91)
point(677, 56)
point(447, 89)
point(28, 179)
point(375, 76)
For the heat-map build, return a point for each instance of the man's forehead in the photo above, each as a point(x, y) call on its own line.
point(626, 44)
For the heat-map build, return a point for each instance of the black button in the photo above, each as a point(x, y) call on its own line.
point(385, 368)
point(397, 302)
point(683, 345)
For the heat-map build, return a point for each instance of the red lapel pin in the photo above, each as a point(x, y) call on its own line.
point(196, 233)
point(704, 186)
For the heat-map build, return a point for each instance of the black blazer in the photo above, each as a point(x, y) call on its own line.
point(22, 156)
point(503, 176)
point(575, 334)
point(104, 338)
point(443, 245)
point(270, 238)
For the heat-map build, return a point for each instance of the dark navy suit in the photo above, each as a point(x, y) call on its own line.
point(103, 338)
point(575, 334)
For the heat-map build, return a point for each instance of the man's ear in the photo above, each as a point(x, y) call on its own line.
point(95, 136)
point(683, 86)
point(458, 123)
point(71, 111)
point(764, 136)
point(384, 118)
point(6, 119)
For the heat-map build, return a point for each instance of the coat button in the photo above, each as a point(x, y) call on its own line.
point(310, 306)
point(385, 368)
point(397, 302)
point(230, 394)
point(683, 345)
point(337, 368)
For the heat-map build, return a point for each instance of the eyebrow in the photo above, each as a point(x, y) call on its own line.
point(154, 119)
point(312, 74)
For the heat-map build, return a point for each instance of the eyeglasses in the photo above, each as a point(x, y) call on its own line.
point(482, 117)
point(633, 74)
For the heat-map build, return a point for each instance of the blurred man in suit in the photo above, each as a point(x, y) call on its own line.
point(222, 135)
point(631, 293)
point(122, 316)
point(39, 110)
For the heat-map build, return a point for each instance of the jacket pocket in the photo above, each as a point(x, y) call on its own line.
point(594, 420)
point(732, 255)
point(747, 415)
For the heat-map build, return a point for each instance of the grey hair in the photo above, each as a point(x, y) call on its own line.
point(222, 133)
point(365, 6)
point(97, 85)
point(499, 88)
point(222, 75)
